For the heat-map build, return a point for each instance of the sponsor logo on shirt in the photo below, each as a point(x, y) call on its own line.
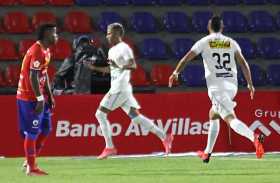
point(219, 44)
point(36, 64)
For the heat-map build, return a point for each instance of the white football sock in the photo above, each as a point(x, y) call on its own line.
point(105, 127)
point(242, 129)
point(213, 133)
point(149, 125)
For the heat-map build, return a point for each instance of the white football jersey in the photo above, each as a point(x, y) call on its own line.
point(121, 53)
point(219, 62)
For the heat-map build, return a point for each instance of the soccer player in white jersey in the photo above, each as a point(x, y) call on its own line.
point(121, 62)
point(220, 54)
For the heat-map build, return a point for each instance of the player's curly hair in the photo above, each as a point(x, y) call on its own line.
point(216, 23)
point(42, 29)
point(117, 27)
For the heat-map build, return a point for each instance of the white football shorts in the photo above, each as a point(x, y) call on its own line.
point(125, 100)
point(222, 102)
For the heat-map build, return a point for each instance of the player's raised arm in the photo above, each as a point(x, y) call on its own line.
point(180, 66)
point(246, 71)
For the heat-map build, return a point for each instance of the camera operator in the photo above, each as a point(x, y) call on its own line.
point(73, 76)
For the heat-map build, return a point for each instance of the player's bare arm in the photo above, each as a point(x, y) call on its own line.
point(34, 80)
point(51, 100)
point(246, 72)
point(186, 59)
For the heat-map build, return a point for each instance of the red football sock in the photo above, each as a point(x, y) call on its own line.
point(30, 152)
point(40, 143)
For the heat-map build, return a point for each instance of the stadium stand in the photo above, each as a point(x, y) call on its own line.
point(176, 22)
point(144, 22)
point(193, 76)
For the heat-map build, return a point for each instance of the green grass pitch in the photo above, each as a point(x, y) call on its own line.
point(244, 169)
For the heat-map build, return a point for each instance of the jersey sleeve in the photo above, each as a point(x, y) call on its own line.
point(236, 46)
point(127, 53)
point(37, 60)
point(198, 47)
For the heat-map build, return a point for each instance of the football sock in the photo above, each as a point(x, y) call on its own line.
point(240, 128)
point(149, 125)
point(105, 127)
point(30, 151)
point(213, 133)
point(40, 143)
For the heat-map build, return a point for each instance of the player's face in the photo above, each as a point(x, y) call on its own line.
point(112, 36)
point(52, 36)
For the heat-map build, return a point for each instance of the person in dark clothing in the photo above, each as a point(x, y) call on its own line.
point(73, 76)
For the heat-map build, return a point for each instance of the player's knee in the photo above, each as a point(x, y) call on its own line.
point(213, 115)
point(133, 113)
point(229, 118)
point(100, 116)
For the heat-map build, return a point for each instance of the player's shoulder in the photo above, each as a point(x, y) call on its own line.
point(227, 38)
point(124, 45)
point(205, 39)
point(35, 48)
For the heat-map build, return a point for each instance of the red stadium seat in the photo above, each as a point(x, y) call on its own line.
point(2, 79)
point(16, 22)
point(41, 18)
point(139, 77)
point(8, 2)
point(33, 2)
point(77, 22)
point(24, 45)
point(7, 50)
point(1, 28)
point(12, 75)
point(51, 72)
point(160, 74)
point(61, 2)
point(61, 50)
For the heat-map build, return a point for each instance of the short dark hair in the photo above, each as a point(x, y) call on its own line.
point(216, 23)
point(117, 27)
point(42, 29)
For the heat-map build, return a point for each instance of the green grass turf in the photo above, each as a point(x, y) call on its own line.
point(244, 169)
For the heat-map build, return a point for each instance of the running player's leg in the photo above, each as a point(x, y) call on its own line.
point(131, 107)
point(102, 117)
point(226, 111)
point(239, 127)
point(109, 103)
point(213, 133)
point(224, 106)
point(242, 129)
point(139, 118)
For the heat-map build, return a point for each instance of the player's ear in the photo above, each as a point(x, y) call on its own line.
point(222, 26)
point(209, 26)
